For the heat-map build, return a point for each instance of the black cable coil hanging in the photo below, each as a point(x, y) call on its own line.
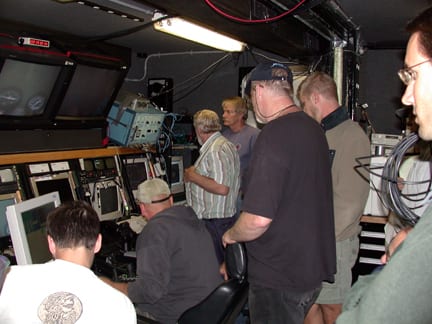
point(390, 193)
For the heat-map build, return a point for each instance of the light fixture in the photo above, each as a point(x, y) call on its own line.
point(184, 29)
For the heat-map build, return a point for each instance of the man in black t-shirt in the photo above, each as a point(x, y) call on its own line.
point(287, 218)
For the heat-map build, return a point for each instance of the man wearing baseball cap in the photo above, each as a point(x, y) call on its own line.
point(176, 261)
point(287, 219)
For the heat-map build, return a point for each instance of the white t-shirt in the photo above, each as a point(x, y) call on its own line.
point(41, 292)
point(415, 191)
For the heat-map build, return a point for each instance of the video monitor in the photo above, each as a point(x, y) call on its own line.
point(135, 173)
point(106, 199)
point(176, 176)
point(27, 224)
point(25, 87)
point(90, 94)
point(31, 87)
point(5, 200)
point(62, 182)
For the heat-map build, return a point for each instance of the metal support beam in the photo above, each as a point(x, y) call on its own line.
point(338, 72)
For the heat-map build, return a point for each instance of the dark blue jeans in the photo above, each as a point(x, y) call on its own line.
point(279, 306)
point(217, 227)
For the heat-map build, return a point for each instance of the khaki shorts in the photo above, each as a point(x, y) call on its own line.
point(346, 255)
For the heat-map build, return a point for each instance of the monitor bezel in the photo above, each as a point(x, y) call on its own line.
point(95, 188)
point(177, 186)
point(45, 119)
point(9, 196)
point(16, 224)
point(53, 176)
point(131, 161)
point(102, 63)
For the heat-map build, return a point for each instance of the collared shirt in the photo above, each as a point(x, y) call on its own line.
point(347, 141)
point(335, 118)
point(218, 160)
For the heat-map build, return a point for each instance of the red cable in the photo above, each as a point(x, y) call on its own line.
point(251, 20)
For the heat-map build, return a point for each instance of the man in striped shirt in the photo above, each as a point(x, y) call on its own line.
point(212, 183)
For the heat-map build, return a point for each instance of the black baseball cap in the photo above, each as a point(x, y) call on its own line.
point(264, 72)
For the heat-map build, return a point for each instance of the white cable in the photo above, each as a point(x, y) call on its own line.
point(168, 54)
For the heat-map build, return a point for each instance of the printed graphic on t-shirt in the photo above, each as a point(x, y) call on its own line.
point(60, 308)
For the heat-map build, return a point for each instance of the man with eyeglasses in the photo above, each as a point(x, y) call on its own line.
point(401, 291)
point(176, 260)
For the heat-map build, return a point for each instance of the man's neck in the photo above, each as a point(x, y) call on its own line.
point(327, 108)
point(79, 255)
point(206, 136)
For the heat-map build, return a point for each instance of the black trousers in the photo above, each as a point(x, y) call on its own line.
point(217, 227)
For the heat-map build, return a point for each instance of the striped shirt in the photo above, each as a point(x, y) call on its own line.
point(218, 160)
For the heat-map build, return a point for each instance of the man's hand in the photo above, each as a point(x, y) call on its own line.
point(226, 239)
point(189, 173)
point(223, 271)
point(394, 243)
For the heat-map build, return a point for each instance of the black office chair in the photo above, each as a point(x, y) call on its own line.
point(225, 303)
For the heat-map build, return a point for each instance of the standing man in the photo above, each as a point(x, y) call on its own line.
point(347, 141)
point(212, 183)
point(287, 218)
point(176, 263)
point(243, 136)
point(400, 292)
point(65, 290)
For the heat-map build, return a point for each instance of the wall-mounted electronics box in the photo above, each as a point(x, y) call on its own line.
point(383, 144)
point(137, 126)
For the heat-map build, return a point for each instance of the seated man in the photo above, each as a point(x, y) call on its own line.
point(176, 261)
point(65, 290)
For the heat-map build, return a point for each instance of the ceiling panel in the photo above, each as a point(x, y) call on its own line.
point(380, 22)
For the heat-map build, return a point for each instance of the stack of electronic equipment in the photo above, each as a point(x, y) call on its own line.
point(134, 121)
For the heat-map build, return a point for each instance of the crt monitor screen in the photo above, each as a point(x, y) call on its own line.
point(27, 225)
point(176, 176)
point(90, 93)
point(135, 172)
point(106, 199)
point(25, 87)
point(62, 182)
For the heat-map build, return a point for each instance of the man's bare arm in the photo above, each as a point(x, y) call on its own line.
point(247, 228)
point(208, 184)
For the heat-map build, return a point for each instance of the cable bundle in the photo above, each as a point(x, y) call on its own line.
point(390, 193)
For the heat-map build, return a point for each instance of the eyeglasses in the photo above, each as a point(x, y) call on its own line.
point(408, 74)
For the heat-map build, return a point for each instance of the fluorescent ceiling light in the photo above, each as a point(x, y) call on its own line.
point(184, 29)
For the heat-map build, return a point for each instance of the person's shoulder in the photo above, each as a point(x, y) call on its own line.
point(251, 130)
point(16, 270)
point(22, 275)
point(350, 131)
point(353, 126)
point(226, 131)
point(176, 213)
point(110, 296)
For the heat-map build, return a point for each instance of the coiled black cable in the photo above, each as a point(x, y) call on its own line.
point(390, 193)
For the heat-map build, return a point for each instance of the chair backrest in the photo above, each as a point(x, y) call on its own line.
point(225, 303)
